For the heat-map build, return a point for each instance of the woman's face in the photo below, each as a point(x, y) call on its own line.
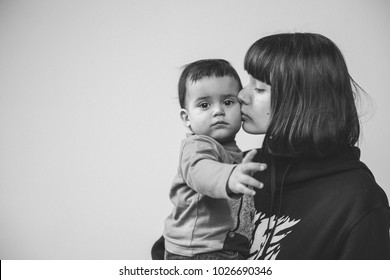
point(255, 101)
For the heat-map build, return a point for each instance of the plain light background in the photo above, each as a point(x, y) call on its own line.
point(89, 119)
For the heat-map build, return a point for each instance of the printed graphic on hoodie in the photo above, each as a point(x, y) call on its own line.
point(268, 234)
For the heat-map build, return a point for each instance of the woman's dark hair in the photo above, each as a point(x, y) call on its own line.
point(313, 112)
point(205, 68)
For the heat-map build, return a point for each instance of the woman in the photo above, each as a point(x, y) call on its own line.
point(319, 201)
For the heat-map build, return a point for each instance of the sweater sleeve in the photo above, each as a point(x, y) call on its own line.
point(203, 169)
point(369, 238)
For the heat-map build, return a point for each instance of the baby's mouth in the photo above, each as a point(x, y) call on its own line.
point(219, 123)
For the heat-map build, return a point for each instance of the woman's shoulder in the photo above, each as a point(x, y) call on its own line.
point(359, 187)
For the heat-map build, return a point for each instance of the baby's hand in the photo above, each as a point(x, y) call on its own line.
point(241, 180)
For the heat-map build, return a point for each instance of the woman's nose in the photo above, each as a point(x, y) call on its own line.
point(243, 96)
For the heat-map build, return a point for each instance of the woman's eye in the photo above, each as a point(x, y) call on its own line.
point(259, 90)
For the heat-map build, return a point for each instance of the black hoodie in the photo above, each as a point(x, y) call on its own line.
point(327, 208)
point(323, 209)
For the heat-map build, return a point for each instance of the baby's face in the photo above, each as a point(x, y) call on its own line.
point(212, 108)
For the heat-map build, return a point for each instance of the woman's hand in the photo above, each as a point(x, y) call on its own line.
point(241, 180)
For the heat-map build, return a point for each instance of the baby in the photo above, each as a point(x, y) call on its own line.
point(213, 190)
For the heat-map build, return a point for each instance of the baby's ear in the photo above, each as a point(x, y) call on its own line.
point(184, 117)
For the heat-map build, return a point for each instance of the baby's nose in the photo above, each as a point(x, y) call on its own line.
point(218, 111)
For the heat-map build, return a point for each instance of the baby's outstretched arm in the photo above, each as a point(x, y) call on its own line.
point(241, 180)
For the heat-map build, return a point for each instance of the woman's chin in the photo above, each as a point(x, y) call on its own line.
point(251, 129)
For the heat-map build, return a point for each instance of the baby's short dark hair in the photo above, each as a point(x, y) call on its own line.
point(204, 68)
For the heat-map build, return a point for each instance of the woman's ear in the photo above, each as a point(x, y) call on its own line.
point(184, 117)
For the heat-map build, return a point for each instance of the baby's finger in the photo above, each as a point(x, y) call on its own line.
point(253, 167)
point(252, 182)
point(242, 189)
point(249, 156)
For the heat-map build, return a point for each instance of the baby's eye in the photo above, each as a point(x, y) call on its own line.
point(228, 102)
point(204, 105)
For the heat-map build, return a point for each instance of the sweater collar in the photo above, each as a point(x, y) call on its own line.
point(295, 171)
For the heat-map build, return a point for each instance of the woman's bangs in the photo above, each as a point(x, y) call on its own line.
point(258, 66)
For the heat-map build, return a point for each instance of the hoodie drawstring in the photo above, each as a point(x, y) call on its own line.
point(273, 191)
